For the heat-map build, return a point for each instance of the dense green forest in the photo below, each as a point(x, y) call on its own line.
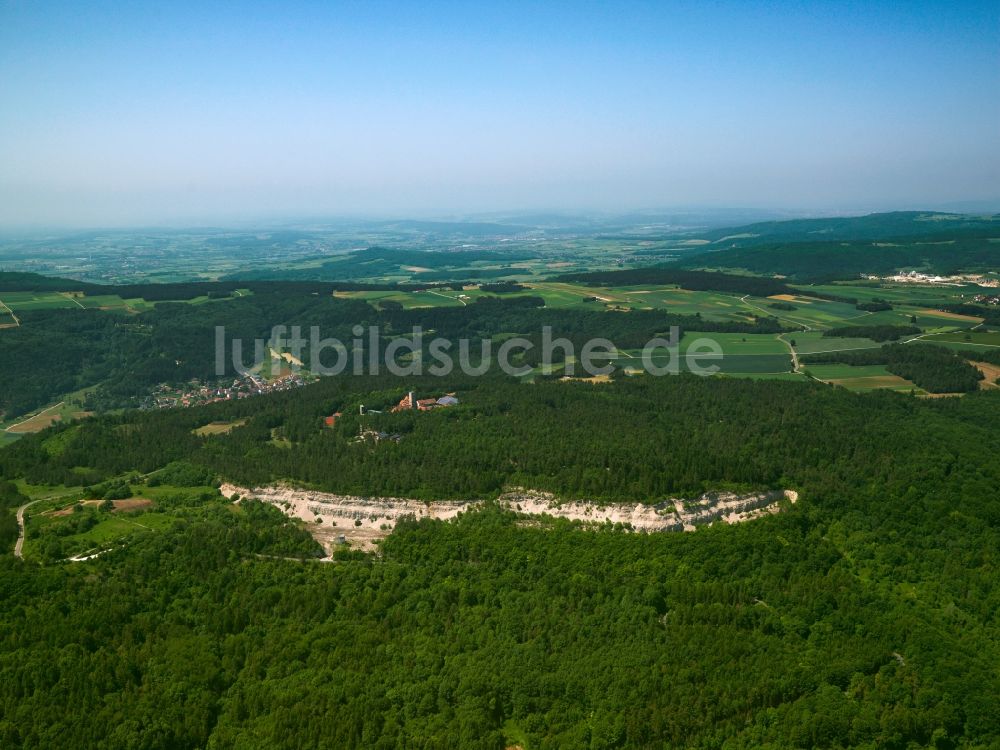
point(600, 442)
point(863, 616)
point(579, 440)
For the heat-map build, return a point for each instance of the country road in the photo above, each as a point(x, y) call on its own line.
point(20, 526)
point(33, 416)
point(71, 298)
point(796, 367)
point(20, 512)
point(4, 307)
point(20, 520)
point(448, 296)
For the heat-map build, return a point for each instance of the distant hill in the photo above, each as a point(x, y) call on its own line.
point(823, 261)
point(844, 248)
point(691, 280)
point(23, 281)
point(457, 228)
point(378, 262)
point(913, 224)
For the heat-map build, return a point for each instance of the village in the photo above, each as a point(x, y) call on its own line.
point(196, 393)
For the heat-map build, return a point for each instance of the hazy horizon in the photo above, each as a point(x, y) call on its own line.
point(139, 115)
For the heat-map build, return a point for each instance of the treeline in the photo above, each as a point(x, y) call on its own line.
point(470, 274)
point(875, 333)
point(990, 356)
point(874, 305)
point(912, 226)
point(502, 287)
point(933, 368)
point(990, 315)
point(187, 290)
point(10, 500)
point(24, 281)
point(708, 281)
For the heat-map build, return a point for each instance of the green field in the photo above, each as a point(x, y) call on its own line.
point(737, 343)
point(120, 525)
point(19, 302)
point(969, 338)
point(810, 312)
point(23, 301)
point(756, 354)
point(70, 407)
point(903, 294)
point(813, 342)
point(863, 378)
point(409, 300)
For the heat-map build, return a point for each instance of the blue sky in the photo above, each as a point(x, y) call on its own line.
point(118, 113)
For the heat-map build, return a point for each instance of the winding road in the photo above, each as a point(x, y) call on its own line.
point(20, 519)
point(796, 367)
point(20, 526)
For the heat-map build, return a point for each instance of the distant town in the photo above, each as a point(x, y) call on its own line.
point(916, 277)
point(196, 393)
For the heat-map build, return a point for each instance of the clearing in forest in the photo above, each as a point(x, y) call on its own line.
point(991, 374)
point(219, 428)
point(38, 422)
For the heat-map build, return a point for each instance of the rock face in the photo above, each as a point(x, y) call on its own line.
point(672, 515)
point(363, 520)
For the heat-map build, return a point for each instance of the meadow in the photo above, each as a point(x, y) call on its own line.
point(967, 338)
point(70, 407)
point(63, 517)
point(861, 378)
